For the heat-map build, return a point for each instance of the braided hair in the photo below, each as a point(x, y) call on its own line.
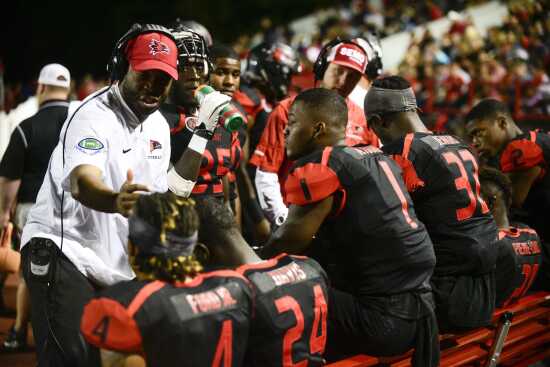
point(489, 175)
point(170, 215)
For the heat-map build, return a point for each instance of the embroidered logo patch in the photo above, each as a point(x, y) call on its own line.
point(154, 145)
point(156, 47)
point(90, 145)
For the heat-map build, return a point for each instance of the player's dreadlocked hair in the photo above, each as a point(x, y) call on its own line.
point(169, 217)
point(488, 175)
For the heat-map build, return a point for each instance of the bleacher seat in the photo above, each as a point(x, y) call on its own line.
point(518, 336)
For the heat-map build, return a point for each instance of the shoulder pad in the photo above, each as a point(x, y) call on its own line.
point(312, 181)
point(107, 324)
point(521, 154)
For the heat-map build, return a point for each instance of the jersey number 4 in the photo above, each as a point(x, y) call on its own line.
point(316, 341)
point(224, 349)
point(463, 182)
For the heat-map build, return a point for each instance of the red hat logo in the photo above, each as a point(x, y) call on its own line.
point(154, 145)
point(155, 47)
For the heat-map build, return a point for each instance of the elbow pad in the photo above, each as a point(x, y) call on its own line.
point(179, 185)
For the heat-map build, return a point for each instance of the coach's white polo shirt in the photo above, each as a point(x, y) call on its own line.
point(98, 133)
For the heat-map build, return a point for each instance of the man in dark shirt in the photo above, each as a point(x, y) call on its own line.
point(354, 198)
point(23, 167)
point(441, 173)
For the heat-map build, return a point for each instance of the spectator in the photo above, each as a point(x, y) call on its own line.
point(23, 167)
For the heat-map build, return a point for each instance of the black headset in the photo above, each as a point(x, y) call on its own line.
point(374, 66)
point(118, 64)
point(372, 71)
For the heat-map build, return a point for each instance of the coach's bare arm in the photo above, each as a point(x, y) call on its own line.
point(88, 188)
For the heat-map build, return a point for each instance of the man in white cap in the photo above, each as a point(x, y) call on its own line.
point(23, 167)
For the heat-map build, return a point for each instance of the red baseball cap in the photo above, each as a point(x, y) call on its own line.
point(153, 51)
point(350, 55)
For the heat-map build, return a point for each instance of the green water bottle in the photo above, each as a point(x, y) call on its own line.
point(230, 117)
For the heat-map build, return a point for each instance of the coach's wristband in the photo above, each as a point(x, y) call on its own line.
point(197, 143)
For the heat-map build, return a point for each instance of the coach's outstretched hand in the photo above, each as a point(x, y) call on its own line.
point(210, 109)
point(128, 195)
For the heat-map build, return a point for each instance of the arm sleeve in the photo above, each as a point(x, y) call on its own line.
point(269, 194)
point(106, 324)
point(520, 155)
point(12, 165)
point(270, 151)
point(84, 144)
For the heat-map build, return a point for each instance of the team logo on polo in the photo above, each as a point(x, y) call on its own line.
point(156, 47)
point(90, 146)
point(154, 145)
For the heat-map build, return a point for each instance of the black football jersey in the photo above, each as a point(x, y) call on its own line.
point(204, 322)
point(442, 175)
point(377, 243)
point(524, 152)
point(289, 327)
point(221, 156)
point(520, 269)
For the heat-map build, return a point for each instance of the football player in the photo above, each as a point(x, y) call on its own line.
point(201, 318)
point(380, 302)
point(267, 72)
point(226, 78)
point(339, 67)
point(222, 149)
point(289, 323)
point(441, 173)
point(520, 254)
point(522, 156)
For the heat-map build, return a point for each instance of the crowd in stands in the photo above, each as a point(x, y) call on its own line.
point(449, 75)
point(510, 64)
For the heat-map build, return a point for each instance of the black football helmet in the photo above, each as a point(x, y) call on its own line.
point(197, 28)
point(192, 47)
point(271, 65)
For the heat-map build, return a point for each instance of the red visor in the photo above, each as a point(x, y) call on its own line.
point(153, 51)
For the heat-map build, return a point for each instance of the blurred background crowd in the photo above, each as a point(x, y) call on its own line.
point(450, 73)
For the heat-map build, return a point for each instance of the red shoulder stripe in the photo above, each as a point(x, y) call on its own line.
point(407, 145)
point(142, 296)
point(260, 265)
point(326, 156)
point(218, 273)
